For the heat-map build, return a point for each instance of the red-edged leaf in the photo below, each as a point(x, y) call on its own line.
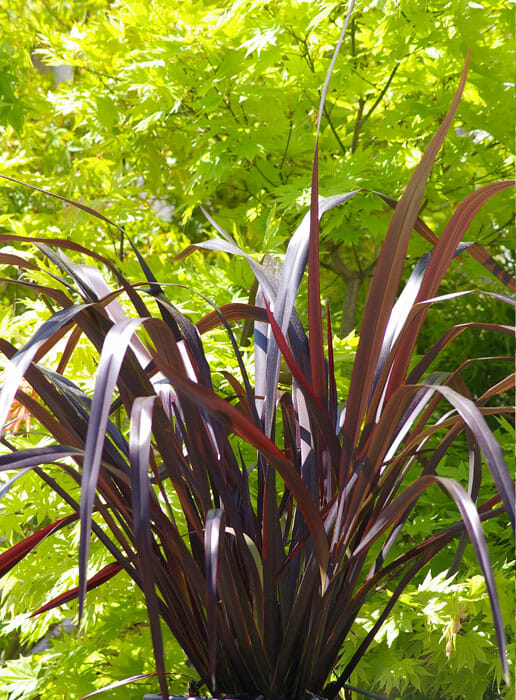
point(438, 264)
point(101, 577)
point(317, 360)
point(16, 261)
point(475, 250)
point(232, 417)
point(72, 202)
point(34, 456)
point(119, 684)
point(211, 548)
point(14, 554)
point(384, 287)
point(111, 359)
point(320, 414)
point(231, 312)
point(19, 364)
point(473, 525)
point(139, 454)
point(491, 450)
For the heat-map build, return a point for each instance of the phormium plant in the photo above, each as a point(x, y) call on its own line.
point(289, 505)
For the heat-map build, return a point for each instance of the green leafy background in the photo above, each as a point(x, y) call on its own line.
point(167, 106)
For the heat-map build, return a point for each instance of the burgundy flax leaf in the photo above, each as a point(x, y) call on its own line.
point(21, 361)
point(455, 231)
point(405, 337)
point(474, 482)
point(229, 246)
point(188, 339)
point(283, 301)
point(241, 612)
point(34, 456)
point(281, 296)
point(271, 558)
point(429, 468)
point(232, 417)
point(219, 313)
point(231, 312)
point(403, 306)
point(317, 360)
point(139, 456)
point(486, 511)
point(473, 526)
point(94, 288)
point(315, 405)
point(70, 245)
point(155, 290)
point(333, 408)
point(439, 262)
point(505, 384)
point(427, 550)
point(214, 520)
point(333, 688)
point(40, 412)
point(119, 684)
point(243, 400)
point(67, 353)
point(55, 294)
point(17, 261)
point(384, 287)
point(110, 362)
point(384, 439)
point(101, 577)
point(72, 202)
point(64, 263)
point(488, 444)
point(475, 250)
point(447, 337)
point(17, 552)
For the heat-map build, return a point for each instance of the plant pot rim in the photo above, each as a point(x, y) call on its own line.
point(157, 696)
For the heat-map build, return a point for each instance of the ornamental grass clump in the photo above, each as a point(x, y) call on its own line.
point(258, 526)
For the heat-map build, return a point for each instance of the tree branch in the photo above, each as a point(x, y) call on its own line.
point(361, 118)
point(334, 131)
point(358, 124)
point(382, 94)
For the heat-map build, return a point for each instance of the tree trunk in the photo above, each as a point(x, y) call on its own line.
point(349, 306)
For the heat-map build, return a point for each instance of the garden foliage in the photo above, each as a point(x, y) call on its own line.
point(179, 116)
point(260, 526)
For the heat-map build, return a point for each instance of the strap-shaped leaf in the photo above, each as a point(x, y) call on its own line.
point(19, 364)
point(317, 359)
point(318, 410)
point(72, 202)
point(113, 352)
point(34, 456)
point(490, 448)
point(211, 548)
point(17, 552)
point(105, 574)
point(139, 452)
point(237, 422)
point(384, 287)
point(473, 526)
point(475, 250)
point(443, 253)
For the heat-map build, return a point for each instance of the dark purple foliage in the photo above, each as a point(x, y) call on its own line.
point(279, 554)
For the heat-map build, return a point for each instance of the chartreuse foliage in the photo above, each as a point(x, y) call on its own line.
point(263, 529)
point(180, 115)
